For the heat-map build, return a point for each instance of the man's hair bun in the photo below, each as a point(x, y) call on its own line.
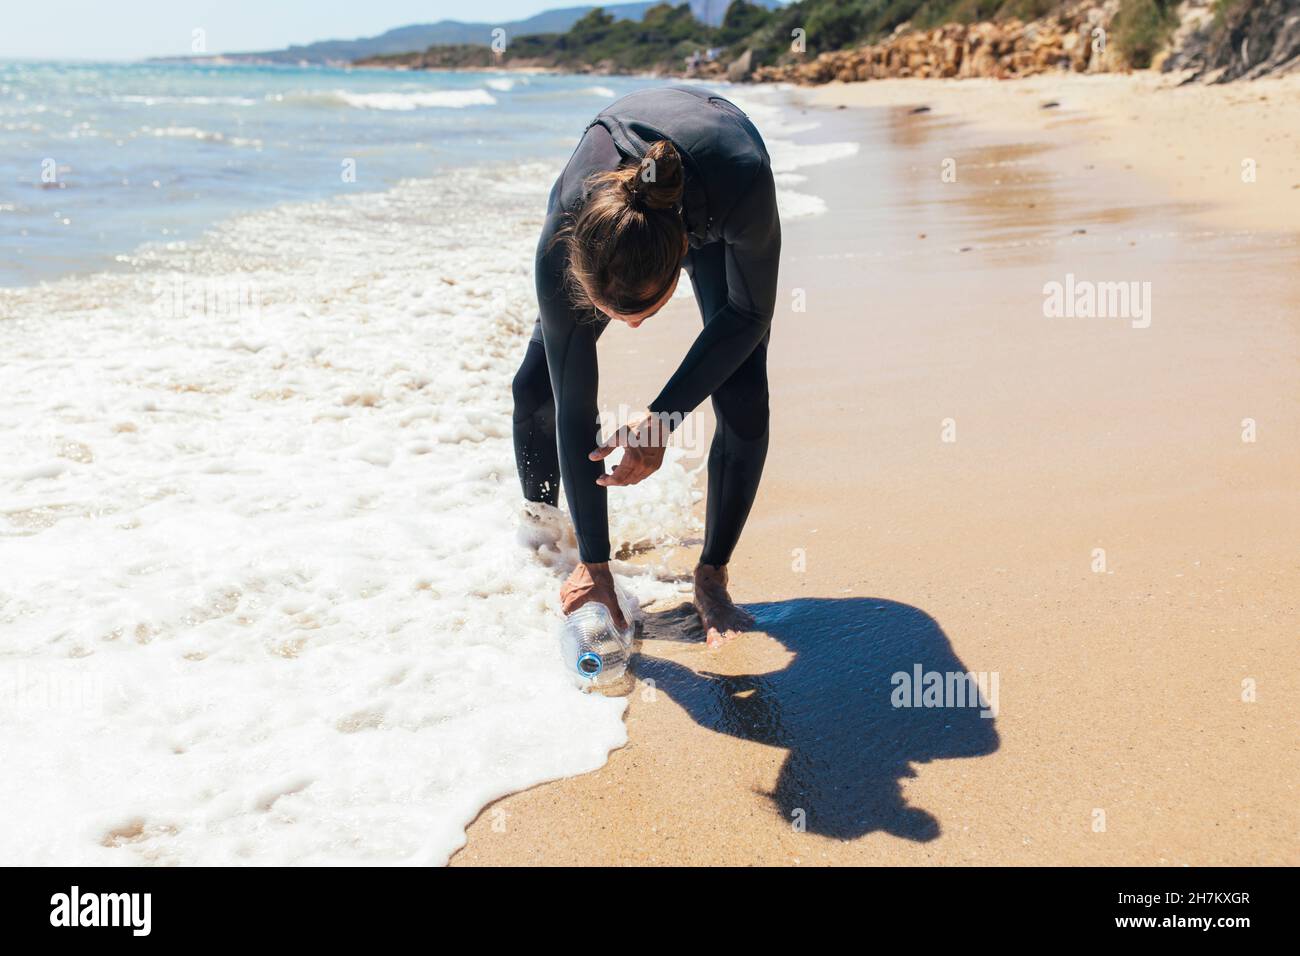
point(657, 182)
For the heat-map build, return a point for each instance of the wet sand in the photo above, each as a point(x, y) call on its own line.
point(1231, 152)
point(878, 544)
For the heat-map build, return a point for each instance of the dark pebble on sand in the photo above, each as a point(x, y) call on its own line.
point(1050, 105)
point(919, 109)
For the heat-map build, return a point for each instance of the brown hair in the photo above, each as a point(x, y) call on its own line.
point(625, 247)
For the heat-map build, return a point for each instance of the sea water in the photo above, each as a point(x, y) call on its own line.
point(261, 590)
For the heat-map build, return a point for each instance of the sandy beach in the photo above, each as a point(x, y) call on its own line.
point(1023, 560)
point(1193, 142)
point(1098, 512)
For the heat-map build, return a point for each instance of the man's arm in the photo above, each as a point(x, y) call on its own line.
point(753, 251)
point(570, 339)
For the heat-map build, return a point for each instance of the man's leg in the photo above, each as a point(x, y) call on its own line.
point(536, 454)
point(736, 456)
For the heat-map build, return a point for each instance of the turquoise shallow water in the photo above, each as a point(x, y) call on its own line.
point(96, 159)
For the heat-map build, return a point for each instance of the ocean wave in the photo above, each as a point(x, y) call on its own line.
point(193, 132)
point(393, 100)
point(567, 93)
point(788, 155)
point(795, 205)
point(152, 100)
point(181, 132)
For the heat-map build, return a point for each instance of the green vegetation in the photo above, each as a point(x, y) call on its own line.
point(834, 24)
point(971, 11)
point(1142, 27)
point(664, 37)
point(668, 34)
point(740, 22)
point(665, 34)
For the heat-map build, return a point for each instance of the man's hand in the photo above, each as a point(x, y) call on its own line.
point(643, 443)
point(592, 582)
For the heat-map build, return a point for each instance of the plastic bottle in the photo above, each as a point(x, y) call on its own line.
point(595, 651)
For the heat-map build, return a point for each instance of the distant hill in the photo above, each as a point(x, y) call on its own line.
point(421, 36)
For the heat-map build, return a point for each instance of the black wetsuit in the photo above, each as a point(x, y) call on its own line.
point(729, 206)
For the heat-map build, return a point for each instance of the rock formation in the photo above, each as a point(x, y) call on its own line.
point(1074, 38)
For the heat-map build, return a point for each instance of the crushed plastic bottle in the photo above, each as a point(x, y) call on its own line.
point(595, 651)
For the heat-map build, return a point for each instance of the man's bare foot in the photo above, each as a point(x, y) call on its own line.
point(722, 620)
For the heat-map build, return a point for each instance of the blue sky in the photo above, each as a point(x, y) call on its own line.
point(130, 29)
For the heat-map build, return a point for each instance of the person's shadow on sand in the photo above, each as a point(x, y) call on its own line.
point(849, 746)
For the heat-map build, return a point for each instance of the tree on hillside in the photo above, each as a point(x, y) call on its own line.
point(740, 21)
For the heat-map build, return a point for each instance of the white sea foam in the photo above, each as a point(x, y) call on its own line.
point(788, 155)
point(189, 132)
point(428, 99)
point(179, 132)
point(792, 204)
point(259, 581)
point(185, 100)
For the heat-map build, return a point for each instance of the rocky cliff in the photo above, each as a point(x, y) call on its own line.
point(1219, 40)
point(1237, 39)
point(1075, 39)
